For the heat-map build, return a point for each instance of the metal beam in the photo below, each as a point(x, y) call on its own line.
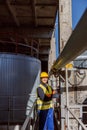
point(28, 32)
point(44, 59)
point(34, 12)
point(46, 45)
point(11, 10)
point(44, 53)
point(76, 44)
point(45, 4)
point(45, 17)
point(26, 41)
point(28, 117)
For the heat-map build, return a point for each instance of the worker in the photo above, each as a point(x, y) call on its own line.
point(44, 103)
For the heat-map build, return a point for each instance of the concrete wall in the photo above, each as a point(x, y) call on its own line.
point(52, 52)
point(65, 25)
point(65, 21)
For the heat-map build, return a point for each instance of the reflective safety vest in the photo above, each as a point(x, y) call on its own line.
point(43, 105)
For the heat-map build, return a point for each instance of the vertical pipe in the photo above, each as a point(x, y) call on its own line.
point(80, 128)
point(60, 104)
point(16, 49)
point(67, 100)
point(61, 109)
point(38, 49)
point(31, 47)
point(75, 87)
point(16, 127)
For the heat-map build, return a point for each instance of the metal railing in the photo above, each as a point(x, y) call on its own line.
point(32, 108)
point(19, 48)
point(27, 120)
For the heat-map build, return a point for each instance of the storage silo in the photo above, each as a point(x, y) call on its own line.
point(18, 73)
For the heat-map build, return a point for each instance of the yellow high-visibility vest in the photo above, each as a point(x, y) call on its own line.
point(43, 105)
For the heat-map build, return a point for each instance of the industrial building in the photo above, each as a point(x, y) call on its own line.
point(43, 35)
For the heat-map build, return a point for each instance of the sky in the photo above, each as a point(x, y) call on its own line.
point(78, 8)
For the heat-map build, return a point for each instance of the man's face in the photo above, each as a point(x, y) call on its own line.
point(44, 80)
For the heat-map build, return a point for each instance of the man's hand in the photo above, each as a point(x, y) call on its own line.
point(48, 95)
point(54, 92)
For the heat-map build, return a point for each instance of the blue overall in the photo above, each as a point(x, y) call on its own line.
point(46, 121)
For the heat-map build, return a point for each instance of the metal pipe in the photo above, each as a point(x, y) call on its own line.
point(67, 96)
point(27, 118)
point(67, 99)
point(76, 44)
point(16, 127)
point(21, 44)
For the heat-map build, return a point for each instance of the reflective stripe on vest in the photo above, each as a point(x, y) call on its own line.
point(49, 91)
point(43, 105)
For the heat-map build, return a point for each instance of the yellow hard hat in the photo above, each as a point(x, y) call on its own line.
point(43, 75)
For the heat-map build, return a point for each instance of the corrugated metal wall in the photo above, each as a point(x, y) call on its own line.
point(17, 76)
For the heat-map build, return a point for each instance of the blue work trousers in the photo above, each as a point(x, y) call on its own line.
point(46, 119)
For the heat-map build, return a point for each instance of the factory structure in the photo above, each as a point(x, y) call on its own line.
point(36, 36)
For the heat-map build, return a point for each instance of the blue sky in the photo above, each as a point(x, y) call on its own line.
point(78, 8)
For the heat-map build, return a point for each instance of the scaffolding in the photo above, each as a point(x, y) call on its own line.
point(75, 46)
point(71, 108)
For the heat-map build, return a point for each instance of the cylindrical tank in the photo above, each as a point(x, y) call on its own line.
point(17, 76)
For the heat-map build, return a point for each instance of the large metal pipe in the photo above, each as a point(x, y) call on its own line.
point(76, 44)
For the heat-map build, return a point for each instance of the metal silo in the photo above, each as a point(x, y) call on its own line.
point(17, 76)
